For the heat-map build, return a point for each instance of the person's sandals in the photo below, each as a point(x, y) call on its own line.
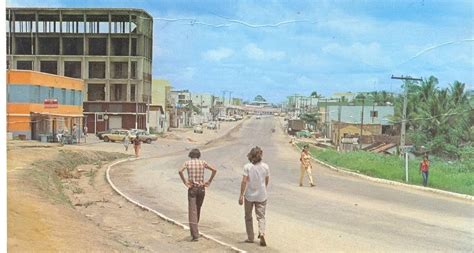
point(262, 241)
point(313, 185)
point(248, 241)
point(195, 239)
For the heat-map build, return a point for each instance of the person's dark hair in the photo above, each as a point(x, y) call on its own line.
point(255, 155)
point(306, 146)
point(194, 153)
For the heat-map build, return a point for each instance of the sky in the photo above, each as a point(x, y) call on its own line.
point(280, 48)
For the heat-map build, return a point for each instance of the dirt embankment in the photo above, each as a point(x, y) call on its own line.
point(59, 201)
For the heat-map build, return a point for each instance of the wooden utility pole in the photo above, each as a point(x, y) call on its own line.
point(404, 113)
point(361, 122)
point(338, 141)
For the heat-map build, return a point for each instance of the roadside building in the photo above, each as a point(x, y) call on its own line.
point(160, 107)
point(182, 108)
point(204, 102)
point(345, 120)
point(110, 49)
point(298, 104)
point(41, 104)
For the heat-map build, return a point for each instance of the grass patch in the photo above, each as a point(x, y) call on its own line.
point(454, 176)
point(49, 175)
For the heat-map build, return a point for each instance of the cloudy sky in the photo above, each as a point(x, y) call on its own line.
point(279, 48)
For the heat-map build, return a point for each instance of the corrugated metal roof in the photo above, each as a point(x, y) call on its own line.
point(352, 114)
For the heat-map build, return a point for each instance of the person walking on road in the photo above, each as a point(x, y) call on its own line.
point(253, 192)
point(196, 188)
point(306, 166)
point(137, 145)
point(126, 141)
point(424, 168)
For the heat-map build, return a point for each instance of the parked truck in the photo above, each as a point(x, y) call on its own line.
point(295, 125)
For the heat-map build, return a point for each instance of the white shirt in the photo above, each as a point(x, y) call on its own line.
point(256, 190)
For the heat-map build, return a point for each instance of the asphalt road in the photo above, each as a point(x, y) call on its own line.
point(342, 213)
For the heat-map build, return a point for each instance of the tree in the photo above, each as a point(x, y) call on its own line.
point(311, 119)
point(315, 94)
point(439, 119)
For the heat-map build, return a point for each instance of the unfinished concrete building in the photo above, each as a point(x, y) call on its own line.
point(110, 49)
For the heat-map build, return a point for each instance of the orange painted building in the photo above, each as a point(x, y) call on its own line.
point(42, 104)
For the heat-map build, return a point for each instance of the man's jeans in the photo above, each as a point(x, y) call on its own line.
point(259, 212)
point(195, 200)
point(424, 174)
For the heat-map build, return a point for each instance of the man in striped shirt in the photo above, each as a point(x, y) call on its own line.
point(196, 188)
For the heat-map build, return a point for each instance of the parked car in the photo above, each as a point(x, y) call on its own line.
point(238, 117)
point(211, 125)
point(101, 133)
point(197, 129)
point(258, 117)
point(117, 135)
point(144, 135)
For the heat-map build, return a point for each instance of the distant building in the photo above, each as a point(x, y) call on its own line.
point(160, 107)
point(41, 104)
point(298, 104)
point(110, 49)
point(376, 120)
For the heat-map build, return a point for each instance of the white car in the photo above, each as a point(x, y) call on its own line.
point(211, 125)
point(197, 129)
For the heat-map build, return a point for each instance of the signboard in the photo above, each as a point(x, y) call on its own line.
point(50, 103)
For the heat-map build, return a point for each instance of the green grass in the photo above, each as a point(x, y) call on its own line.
point(455, 176)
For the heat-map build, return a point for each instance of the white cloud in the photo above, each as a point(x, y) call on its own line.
point(254, 52)
point(218, 54)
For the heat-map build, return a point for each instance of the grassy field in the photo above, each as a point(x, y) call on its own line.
point(457, 176)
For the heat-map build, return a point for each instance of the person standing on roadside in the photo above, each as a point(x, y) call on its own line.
point(137, 145)
point(253, 192)
point(424, 168)
point(126, 141)
point(85, 133)
point(196, 188)
point(306, 166)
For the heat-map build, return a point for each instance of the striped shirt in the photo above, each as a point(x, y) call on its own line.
point(195, 168)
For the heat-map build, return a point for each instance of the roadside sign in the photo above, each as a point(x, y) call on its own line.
point(50, 103)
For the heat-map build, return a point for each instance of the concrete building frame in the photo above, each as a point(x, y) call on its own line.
point(110, 49)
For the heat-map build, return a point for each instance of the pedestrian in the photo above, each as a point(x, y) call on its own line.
point(306, 166)
point(137, 144)
point(74, 133)
point(85, 133)
point(126, 141)
point(253, 192)
point(424, 168)
point(196, 188)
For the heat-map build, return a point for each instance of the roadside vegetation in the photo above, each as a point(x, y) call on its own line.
point(50, 175)
point(456, 176)
point(439, 121)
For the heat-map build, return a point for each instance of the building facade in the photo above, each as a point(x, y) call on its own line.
point(42, 104)
point(160, 107)
point(110, 49)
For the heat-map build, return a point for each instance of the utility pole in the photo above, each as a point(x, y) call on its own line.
point(404, 114)
point(338, 141)
point(403, 130)
point(361, 122)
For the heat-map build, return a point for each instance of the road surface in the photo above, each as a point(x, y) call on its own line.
point(342, 213)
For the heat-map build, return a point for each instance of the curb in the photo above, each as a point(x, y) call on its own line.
point(390, 182)
point(162, 216)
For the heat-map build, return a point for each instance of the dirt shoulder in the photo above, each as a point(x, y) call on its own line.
point(58, 200)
